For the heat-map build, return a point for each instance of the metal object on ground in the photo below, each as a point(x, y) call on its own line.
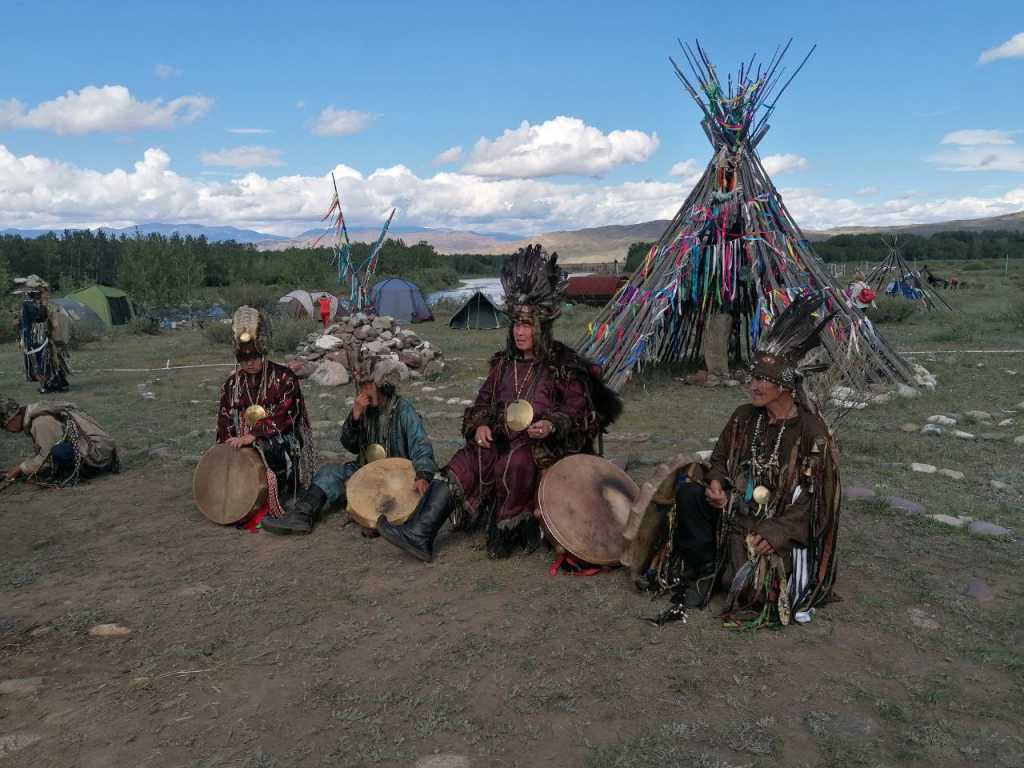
point(254, 414)
point(229, 484)
point(584, 504)
point(384, 487)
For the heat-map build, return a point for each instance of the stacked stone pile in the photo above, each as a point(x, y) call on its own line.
point(328, 358)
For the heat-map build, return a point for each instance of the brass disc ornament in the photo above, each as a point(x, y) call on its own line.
point(254, 414)
point(518, 415)
point(374, 452)
point(761, 495)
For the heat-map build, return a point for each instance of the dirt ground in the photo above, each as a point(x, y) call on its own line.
point(337, 650)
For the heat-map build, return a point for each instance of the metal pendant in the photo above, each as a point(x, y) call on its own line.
point(254, 414)
point(761, 495)
point(518, 415)
point(374, 452)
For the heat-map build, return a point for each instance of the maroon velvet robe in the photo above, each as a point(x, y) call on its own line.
point(507, 473)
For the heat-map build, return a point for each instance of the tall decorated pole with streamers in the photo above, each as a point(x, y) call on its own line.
point(355, 276)
point(733, 252)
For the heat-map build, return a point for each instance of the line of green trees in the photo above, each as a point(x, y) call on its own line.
point(942, 246)
point(159, 270)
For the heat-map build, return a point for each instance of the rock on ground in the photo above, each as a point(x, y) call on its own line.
point(330, 374)
point(953, 474)
point(979, 590)
point(985, 528)
point(21, 686)
point(905, 505)
point(928, 469)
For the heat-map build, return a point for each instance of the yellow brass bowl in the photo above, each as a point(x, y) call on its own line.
point(374, 452)
point(518, 415)
point(254, 413)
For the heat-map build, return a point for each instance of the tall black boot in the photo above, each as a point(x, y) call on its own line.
point(302, 515)
point(416, 535)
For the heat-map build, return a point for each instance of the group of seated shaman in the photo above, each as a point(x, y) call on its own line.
point(758, 521)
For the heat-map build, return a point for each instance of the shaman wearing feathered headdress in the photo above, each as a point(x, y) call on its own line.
point(261, 405)
point(46, 357)
point(540, 402)
point(382, 424)
point(761, 522)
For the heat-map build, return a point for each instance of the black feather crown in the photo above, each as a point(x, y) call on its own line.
point(533, 282)
point(787, 341)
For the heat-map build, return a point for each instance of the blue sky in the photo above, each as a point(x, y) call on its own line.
point(122, 113)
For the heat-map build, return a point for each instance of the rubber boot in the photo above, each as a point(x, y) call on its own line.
point(300, 518)
point(416, 535)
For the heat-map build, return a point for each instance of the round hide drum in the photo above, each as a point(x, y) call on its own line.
point(584, 503)
point(383, 487)
point(229, 484)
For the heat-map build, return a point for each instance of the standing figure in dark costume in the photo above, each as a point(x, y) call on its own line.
point(541, 401)
point(381, 424)
point(261, 405)
point(45, 362)
point(762, 521)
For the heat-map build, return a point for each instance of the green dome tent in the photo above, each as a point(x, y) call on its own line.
point(111, 304)
point(477, 314)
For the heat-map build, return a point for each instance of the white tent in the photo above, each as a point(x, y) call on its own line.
point(309, 301)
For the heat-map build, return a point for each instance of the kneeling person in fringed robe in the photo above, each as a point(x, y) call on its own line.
point(763, 523)
point(541, 401)
point(69, 444)
point(261, 405)
point(381, 424)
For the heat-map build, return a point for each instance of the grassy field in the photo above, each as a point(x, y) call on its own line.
point(336, 650)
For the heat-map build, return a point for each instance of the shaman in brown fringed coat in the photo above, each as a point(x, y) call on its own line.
point(498, 484)
point(800, 518)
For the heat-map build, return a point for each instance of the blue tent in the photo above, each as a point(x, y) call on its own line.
point(401, 300)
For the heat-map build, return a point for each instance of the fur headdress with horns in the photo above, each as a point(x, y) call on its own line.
point(534, 284)
point(250, 333)
point(787, 341)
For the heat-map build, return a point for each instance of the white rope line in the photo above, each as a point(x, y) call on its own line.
point(968, 352)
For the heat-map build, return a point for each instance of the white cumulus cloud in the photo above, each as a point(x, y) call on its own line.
point(335, 122)
point(563, 146)
point(867, 191)
point(166, 71)
point(686, 168)
point(980, 150)
point(976, 136)
point(450, 155)
point(1011, 49)
point(102, 109)
point(776, 164)
point(247, 131)
point(243, 157)
point(42, 192)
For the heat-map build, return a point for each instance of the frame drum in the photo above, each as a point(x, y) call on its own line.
point(584, 503)
point(382, 487)
point(230, 483)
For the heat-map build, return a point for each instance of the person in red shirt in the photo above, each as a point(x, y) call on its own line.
point(325, 309)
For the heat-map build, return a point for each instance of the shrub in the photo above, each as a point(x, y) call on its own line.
point(217, 333)
point(82, 334)
point(252, 295)
point(289, 332)
point(892, 310)
point(144, 326)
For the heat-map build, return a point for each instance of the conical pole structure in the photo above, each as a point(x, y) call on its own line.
point(893, 269)
point(732, 248)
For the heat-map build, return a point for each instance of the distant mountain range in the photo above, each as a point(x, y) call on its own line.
point(595, 244)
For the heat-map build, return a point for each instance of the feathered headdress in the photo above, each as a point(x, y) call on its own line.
point(250, 333)
point(534, 284)
point(385, 372)
point(788, 340)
